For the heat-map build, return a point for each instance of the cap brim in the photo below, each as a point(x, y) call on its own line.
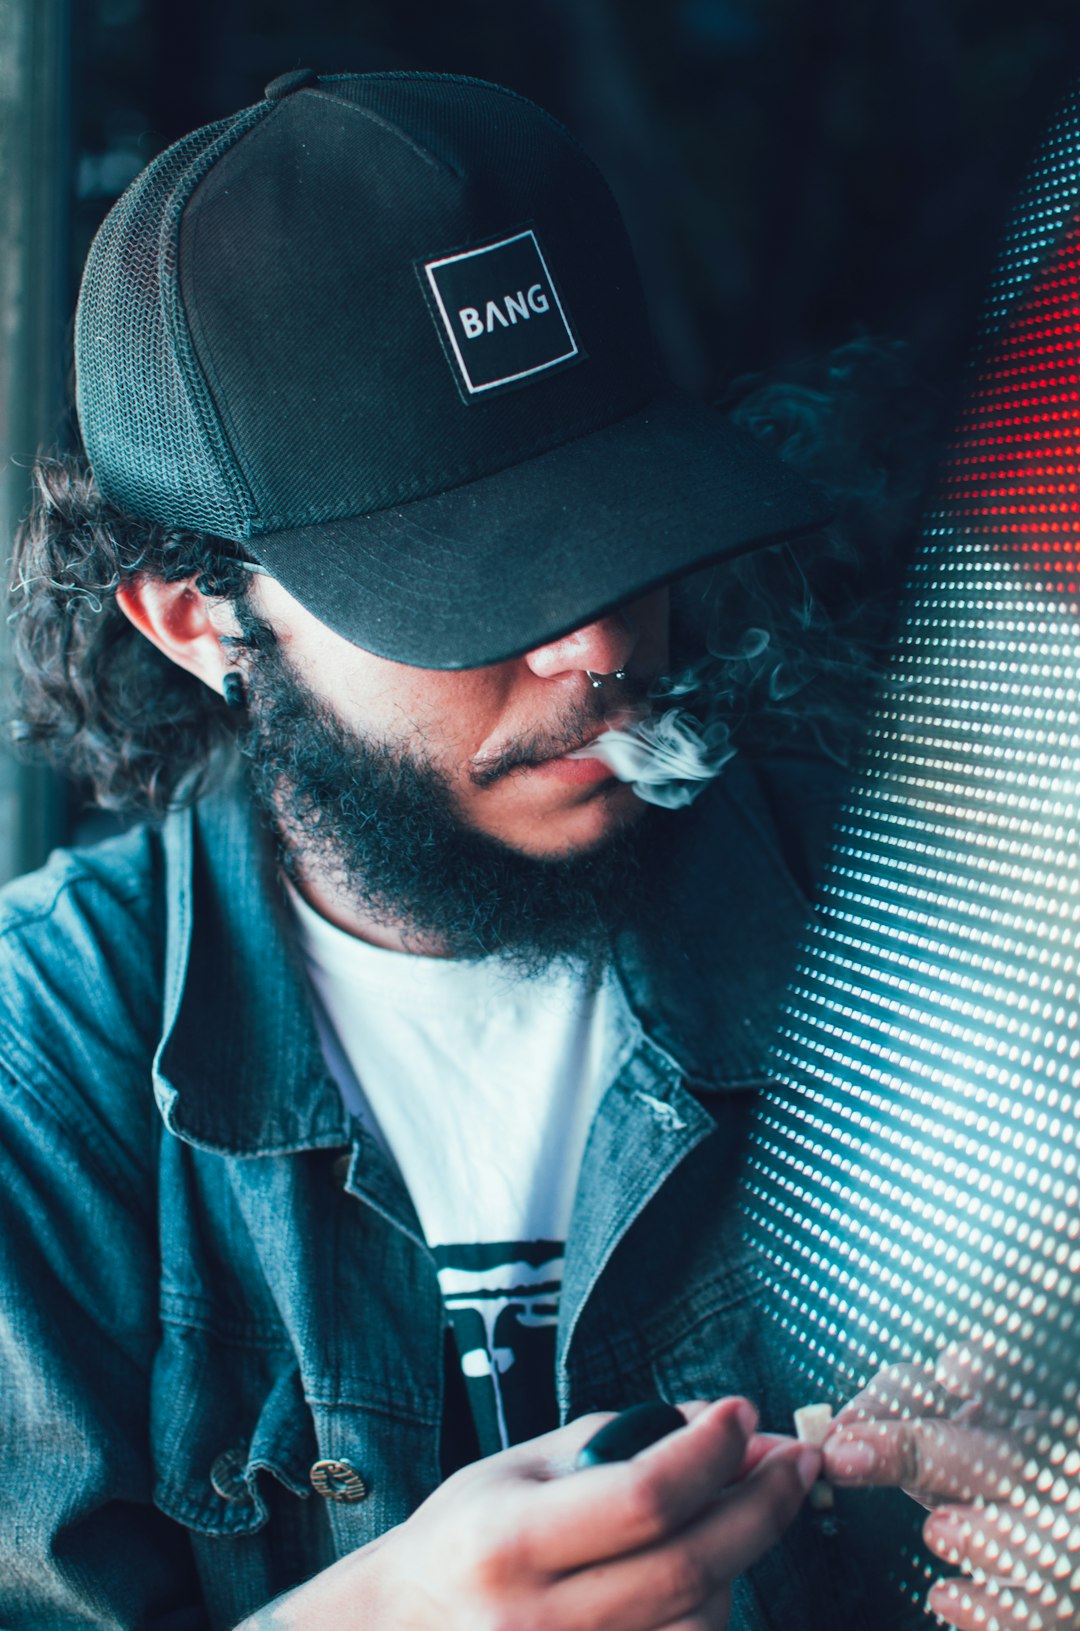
point(503, 564)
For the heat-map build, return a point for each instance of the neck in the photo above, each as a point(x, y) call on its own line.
point(335, 906)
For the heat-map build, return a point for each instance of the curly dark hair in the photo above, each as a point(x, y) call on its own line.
point(93, 697)
point(782, 640)
point(796, 635)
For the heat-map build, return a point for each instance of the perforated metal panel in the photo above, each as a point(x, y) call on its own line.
point(913, 1180)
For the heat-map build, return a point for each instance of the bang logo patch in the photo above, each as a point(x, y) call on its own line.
point(502, 319)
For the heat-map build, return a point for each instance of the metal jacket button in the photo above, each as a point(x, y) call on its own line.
point(338, 1481)
point(227, 1475)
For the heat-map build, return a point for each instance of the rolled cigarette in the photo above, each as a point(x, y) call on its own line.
point(812, 1424)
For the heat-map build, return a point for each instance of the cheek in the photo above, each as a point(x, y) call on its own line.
point(448, 717)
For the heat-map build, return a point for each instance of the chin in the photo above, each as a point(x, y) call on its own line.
point(582, 830)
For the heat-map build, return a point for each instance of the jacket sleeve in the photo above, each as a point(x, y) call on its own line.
point(81, 1543)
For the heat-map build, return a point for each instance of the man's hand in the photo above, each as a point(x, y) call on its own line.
point(521, 1540)
point(1002, 1486)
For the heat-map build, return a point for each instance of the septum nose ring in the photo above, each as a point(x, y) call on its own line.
point(598, 679)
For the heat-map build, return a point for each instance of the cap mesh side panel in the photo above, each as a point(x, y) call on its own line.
point(147, 443)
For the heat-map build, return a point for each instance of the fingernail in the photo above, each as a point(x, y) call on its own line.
point(851, 1458)
point(808, 1466)
point(942, 1534)
point(746, 1416)
point(941, 1597)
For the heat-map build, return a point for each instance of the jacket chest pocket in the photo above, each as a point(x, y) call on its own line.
point(735, 1343)
point(229, 1429)
point(241, 1452)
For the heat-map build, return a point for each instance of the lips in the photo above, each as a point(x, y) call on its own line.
point(567, 753)
point(568, 769)
point(492, 768)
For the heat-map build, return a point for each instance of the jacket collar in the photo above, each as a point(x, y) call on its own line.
point(240, 1069)
point(706, 976)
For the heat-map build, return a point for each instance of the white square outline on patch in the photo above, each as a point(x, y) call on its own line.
point(430, 267)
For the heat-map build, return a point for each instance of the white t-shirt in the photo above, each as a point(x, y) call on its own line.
point(482, 1086)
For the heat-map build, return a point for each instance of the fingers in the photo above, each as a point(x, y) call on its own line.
point(931, 1459)
point(754, 1514)
point(714, 1615)
point(549, 1455)
point(761, 1445)
point(961, 1372)
point(649, 1544)
point(1033, 1549)
point(994, 1605)
point(975, 1369)
point(896, 1390)
point(554, 1453)
point(962, 1369)
point(603, 1512)
point(670, 1582)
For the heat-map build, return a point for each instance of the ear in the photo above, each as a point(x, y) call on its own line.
point(180, 621)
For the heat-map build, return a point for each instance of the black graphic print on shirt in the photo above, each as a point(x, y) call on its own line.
point(503, 1301)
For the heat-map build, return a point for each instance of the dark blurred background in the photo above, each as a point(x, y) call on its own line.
point(794, 173)
point(792, 170)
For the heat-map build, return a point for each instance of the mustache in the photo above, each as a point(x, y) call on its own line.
point(584, 721)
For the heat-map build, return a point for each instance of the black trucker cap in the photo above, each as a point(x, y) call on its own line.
point(385, 332)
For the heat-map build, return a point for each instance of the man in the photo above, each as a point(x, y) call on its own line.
point(340, 1156)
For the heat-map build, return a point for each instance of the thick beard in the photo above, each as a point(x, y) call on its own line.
point(378, 824)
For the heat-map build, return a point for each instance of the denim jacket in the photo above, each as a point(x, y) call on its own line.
point(212, 1282)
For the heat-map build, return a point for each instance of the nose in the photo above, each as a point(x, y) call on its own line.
point(599, 647)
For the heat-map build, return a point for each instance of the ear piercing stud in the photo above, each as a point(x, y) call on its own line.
point(232, 687)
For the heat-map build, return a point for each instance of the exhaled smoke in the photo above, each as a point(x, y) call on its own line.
point(667, 758)
point(791, 630)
